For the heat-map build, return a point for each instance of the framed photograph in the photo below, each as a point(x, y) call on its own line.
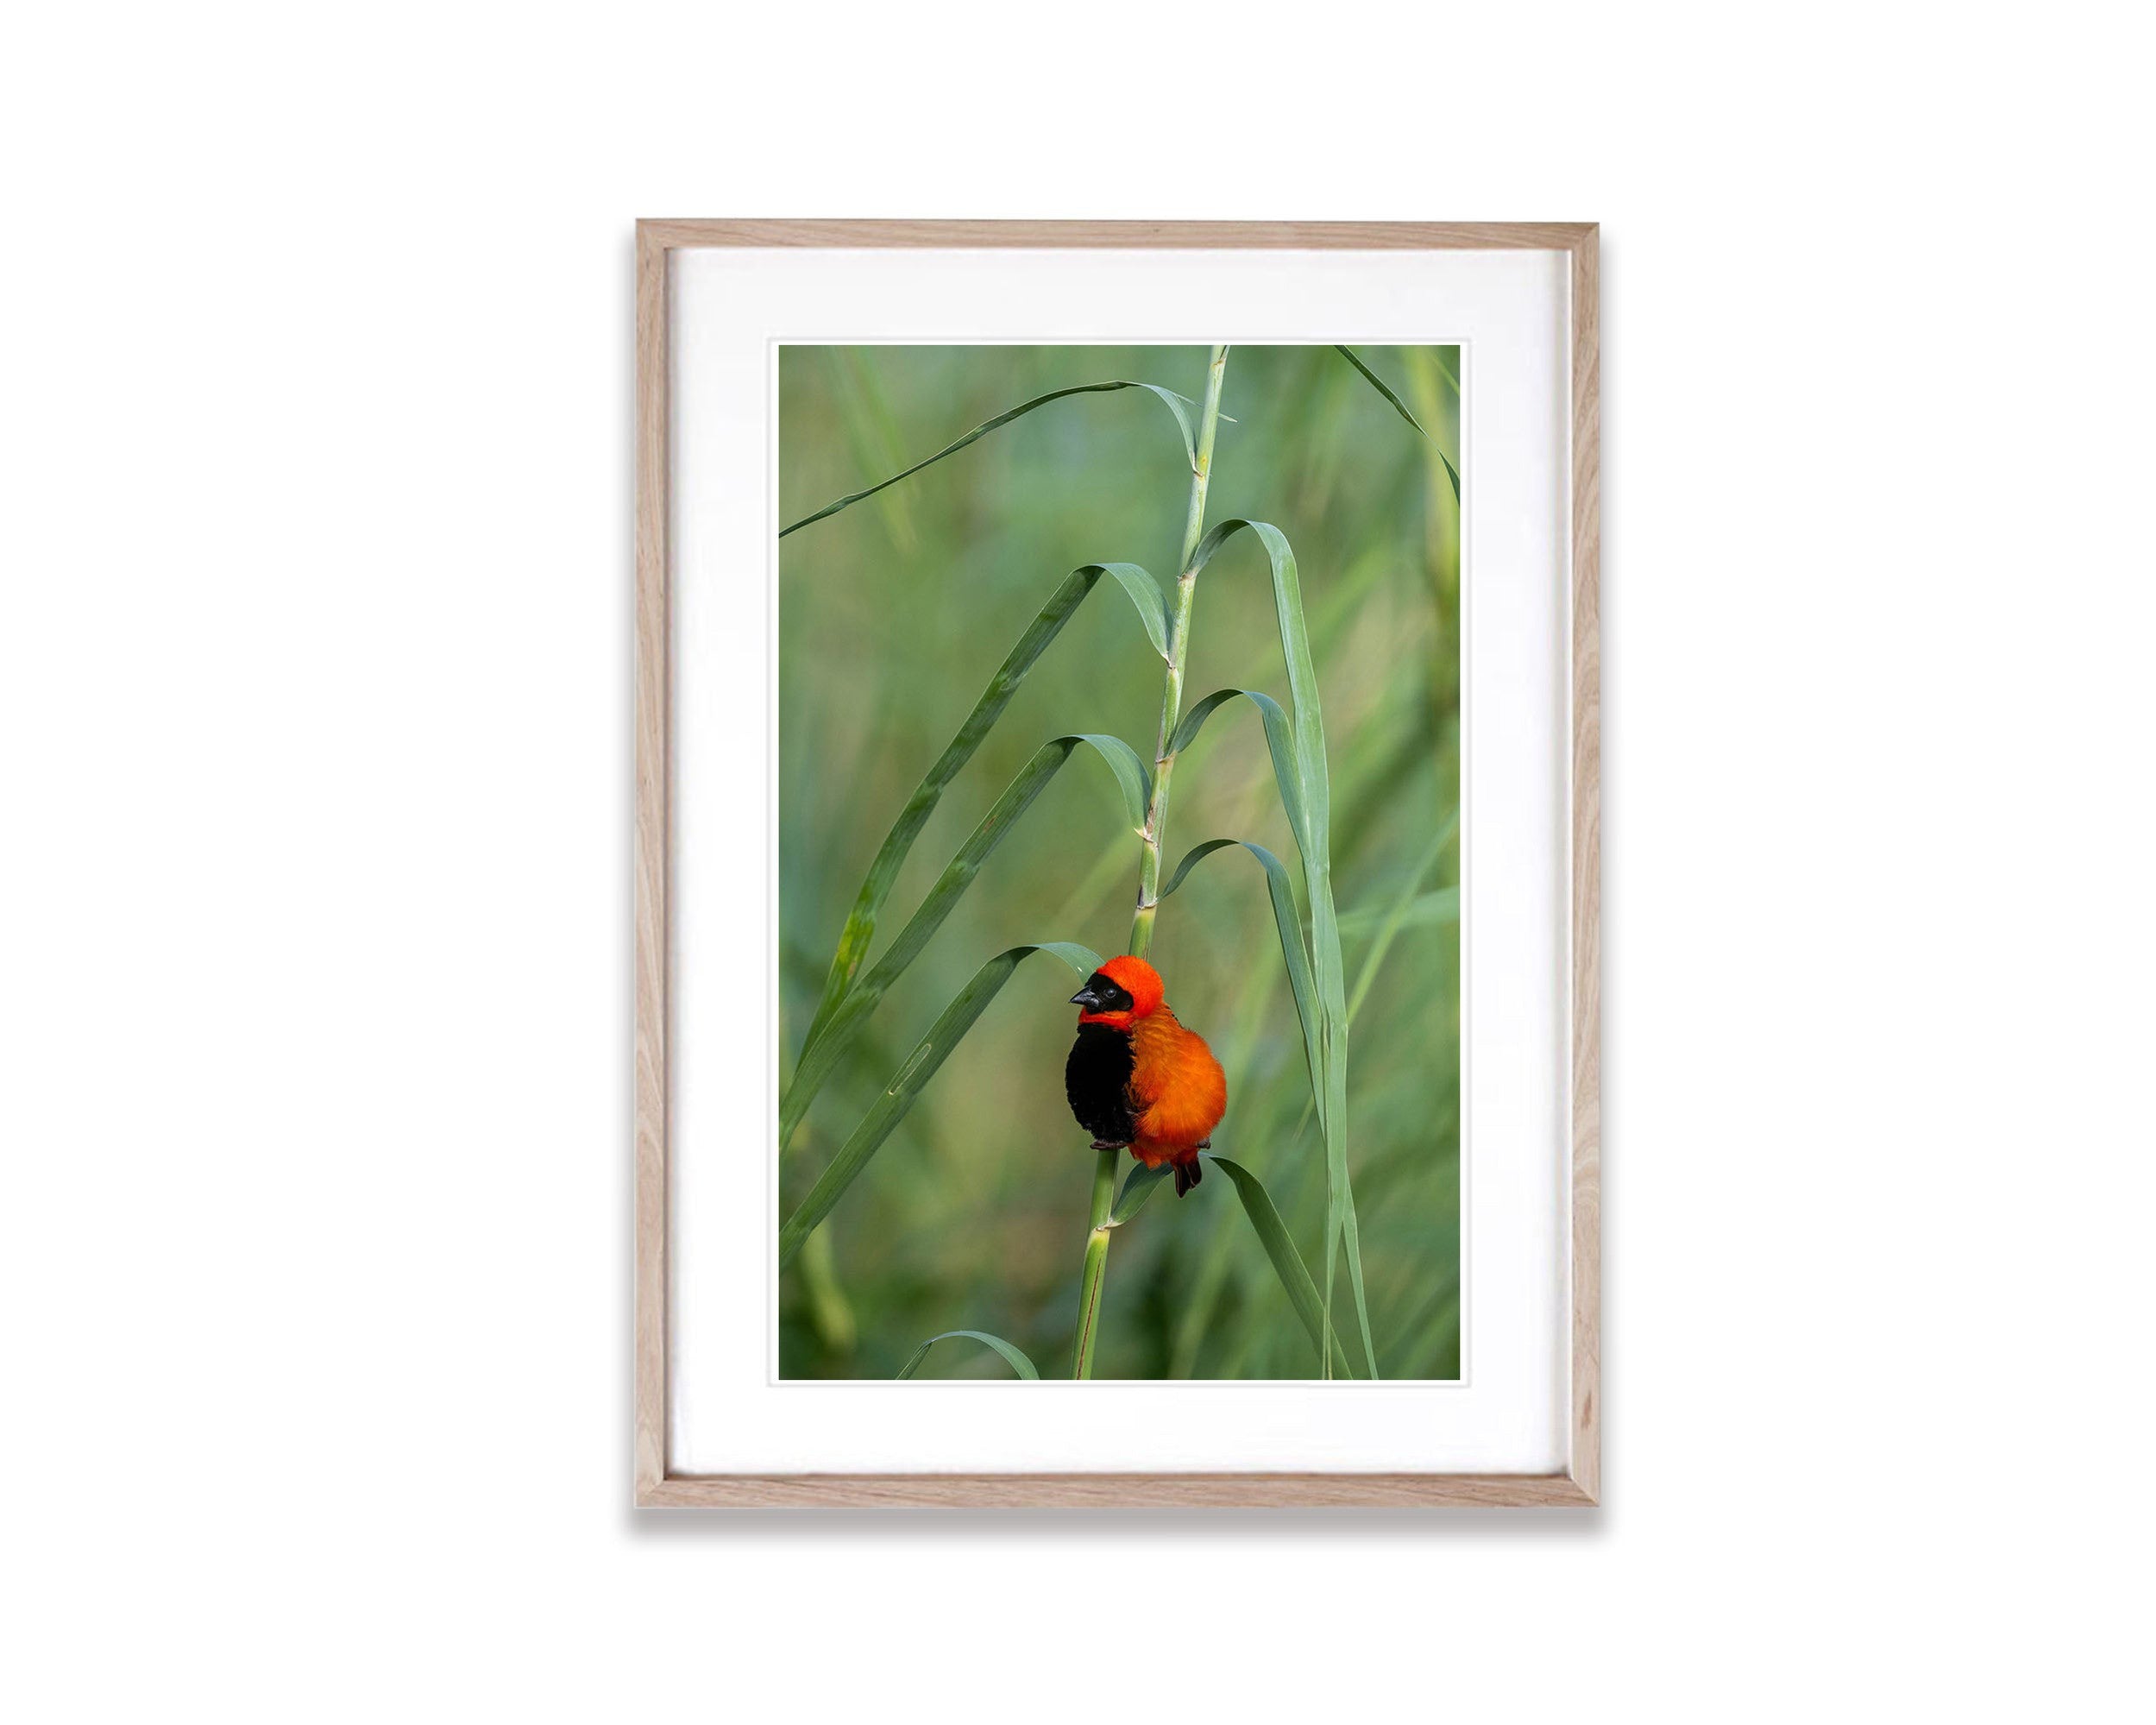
point(1116, 848)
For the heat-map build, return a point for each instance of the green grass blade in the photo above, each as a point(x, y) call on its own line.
point(1145, 593)
point(1137, 1188)
point(1400, 407)
point(859, 933)
point(1314, 836)
point(1350, 1244)
point(1308, 726)
point(1173, 402)
point(1284, 920)
point(1012, 1356)
point(1131, 777)
point(1287, 1263)
point(898, 1097)
point(822, 1053)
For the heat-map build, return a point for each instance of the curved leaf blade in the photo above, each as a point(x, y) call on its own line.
point(1308, 724)
point(1138, 1187)
point(1131, 777)
point(1145, 593)
point(1399, 406)
point(1173, 402)
point(859, 933)
point(822, 1053)
point(1013, 1357)
point(1287, 1263)
point(911, 1078)
point(1315, 839)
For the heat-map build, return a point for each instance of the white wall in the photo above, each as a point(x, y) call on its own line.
point(314, 389)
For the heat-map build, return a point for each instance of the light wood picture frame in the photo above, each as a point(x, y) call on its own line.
point(1579, 1481)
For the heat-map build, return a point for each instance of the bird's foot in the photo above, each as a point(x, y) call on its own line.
point(1103, 1144)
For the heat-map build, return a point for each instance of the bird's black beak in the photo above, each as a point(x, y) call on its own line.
point(1086, 998)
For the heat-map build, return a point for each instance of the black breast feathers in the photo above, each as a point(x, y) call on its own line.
point(1097, 1079)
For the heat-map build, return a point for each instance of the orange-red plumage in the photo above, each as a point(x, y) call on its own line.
point(1137, 1077)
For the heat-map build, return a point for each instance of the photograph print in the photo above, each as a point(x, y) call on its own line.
point(1118, 804)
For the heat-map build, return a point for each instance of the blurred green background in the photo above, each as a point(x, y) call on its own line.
point(893, 615)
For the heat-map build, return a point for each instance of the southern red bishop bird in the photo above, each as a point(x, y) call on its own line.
point(1137, 1077)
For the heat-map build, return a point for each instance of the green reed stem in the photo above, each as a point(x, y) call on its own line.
point(1096, 1262)
point(1179, 654)
point(1155, 826)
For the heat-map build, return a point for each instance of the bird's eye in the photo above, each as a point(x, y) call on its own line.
point(1108, 995)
